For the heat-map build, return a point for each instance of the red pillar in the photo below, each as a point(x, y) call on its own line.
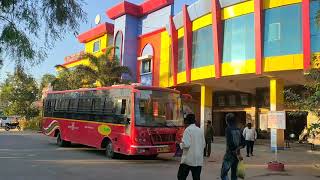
point(217, 37)
point(174, 50)
point(258, 30)
point(306, 40)
point(187, 41)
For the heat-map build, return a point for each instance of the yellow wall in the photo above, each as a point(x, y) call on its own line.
point(103, 44)
point(181, 77)
point(239, 67)
point(281, 63)
point(237, 10)
point(203, 73)
point(268, 4)
point(201, 22)
point(180, 33)
point(165, 60)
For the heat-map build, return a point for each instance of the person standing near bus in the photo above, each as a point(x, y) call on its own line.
point(193, 143)
point(209, 139)
point(250, 135)
point(234, 143)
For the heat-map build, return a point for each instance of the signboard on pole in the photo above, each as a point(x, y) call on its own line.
point(277, 120)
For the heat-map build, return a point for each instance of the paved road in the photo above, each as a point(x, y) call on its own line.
point(32, 156)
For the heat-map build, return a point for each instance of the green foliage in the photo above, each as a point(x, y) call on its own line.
point(310, 101)
point(104, 69)
point(29, 28)
point(70, 79)
point(314, 127)
point(18, 93)
point(34, 123)
point(46, 80)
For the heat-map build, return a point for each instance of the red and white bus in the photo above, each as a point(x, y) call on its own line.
point(123, 119)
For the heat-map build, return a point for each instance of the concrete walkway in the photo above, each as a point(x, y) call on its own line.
point(300, 162)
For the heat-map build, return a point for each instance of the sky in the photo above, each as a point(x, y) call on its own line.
point(70, 45)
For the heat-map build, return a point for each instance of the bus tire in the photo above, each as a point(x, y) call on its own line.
point(109, 150)
point(61, 142)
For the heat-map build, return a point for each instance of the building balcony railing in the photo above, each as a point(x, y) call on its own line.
point(74, 57)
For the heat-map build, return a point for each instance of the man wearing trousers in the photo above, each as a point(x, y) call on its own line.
point(192, 144)
point(209, 139)
point(250, 134)
point(234, 142)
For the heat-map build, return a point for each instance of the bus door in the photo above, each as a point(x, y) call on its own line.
point(122, 120)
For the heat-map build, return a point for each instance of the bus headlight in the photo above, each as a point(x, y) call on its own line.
point(140, 140)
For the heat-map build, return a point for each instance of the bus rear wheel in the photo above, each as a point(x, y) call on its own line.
point(61, 142)
point(109, 150)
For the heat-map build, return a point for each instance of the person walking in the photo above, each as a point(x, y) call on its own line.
point(192, 144)
point(234, 142)
point(209, 139)
point(250, 135)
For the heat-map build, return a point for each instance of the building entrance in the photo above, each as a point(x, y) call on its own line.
point(219, 123)
point(295, 123)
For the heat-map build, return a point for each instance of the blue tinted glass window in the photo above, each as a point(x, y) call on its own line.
point(181, 61)
point(202, 47)
point(118, 45)
point(239, 38)
point(314, 27)
point(282, 31)
point(96, 46)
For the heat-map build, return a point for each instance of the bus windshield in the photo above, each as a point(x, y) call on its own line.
point(158, 109)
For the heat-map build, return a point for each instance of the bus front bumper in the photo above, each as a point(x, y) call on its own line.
point(152, 150)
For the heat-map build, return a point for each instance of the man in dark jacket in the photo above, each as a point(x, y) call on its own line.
point(209, 139)
point(234, 142)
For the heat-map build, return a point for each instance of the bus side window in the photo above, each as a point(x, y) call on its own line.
point(121, 111)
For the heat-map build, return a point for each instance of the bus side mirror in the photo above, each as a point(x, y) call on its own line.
point(128, 121)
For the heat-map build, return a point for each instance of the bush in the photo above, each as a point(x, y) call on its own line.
point(23, 123)
point(33, 124)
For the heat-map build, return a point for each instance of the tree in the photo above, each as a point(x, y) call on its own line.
point(46, 80)
point(29, 28)
point(70, 79)
point(309, 100)
point(104, 70)
point(18, 94)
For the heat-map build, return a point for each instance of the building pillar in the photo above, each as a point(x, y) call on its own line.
point(277, 104)
point(187, 24)
point(217, 35)
point(174, 50)
point(206, 105)
point(258, 29)
point(306, 38)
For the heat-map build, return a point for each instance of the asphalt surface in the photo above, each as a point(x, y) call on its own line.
point(33, 156)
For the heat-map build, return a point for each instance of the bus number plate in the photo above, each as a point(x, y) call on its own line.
point(163, 149)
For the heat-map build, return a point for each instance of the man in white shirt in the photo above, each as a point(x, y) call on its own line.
point(250, 134)
point(193, 144)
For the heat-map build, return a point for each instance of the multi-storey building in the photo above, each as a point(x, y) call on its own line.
point(230, 55)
